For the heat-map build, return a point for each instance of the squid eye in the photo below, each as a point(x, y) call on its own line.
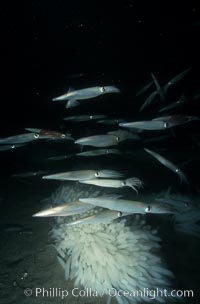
point(177, 170)
point(148, 209)
point(102, 89)
point(107, 151)
point(91, 116)
point(36, 135)
point(166, 125)
point(117, 138)
point(119, 214)
point(97, 174)
point(62, 135)
point(123, 183)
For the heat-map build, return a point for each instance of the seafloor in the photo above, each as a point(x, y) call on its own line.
point(28, 259)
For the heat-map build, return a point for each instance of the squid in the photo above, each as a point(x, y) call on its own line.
point(111, 121)
point(83, 175)
point(145, 88)
point(66, 209)
point(123, 135)
point(98, 140)
point(21, 138)
point(102, 217)
point(175, 120)
point(73, 95)
point(180, 101)
point(160, 123)
point(98, 152)
point(84, 117)
point(145, 125)
point(48, 133)
point(133, 182)
point(169, 165)
point(162, 91)
point(128, 206)
point(10, 147)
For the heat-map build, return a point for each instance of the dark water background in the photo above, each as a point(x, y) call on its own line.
point(118, 42)
point(47, 44)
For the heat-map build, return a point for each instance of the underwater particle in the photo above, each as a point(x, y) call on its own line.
point(25, 274)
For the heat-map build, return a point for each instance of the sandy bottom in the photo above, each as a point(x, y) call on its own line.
point(28, 259)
